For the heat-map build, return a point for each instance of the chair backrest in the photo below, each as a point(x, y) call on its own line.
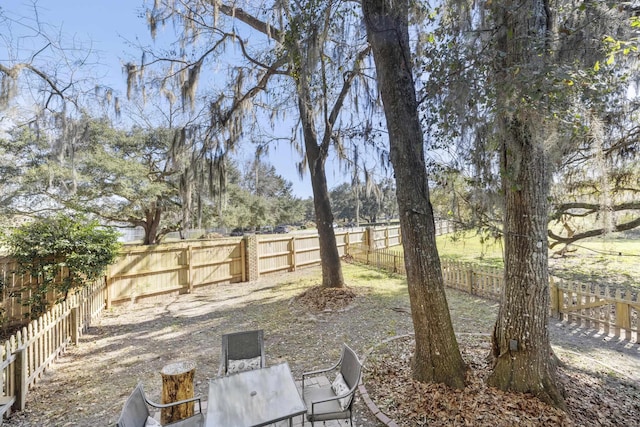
point(243, 345)
point(135, 411)
point(350, 367)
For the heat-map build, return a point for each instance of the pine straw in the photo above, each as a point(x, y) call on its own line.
point(591, 401)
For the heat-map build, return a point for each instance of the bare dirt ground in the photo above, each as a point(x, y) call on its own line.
point(88, 385)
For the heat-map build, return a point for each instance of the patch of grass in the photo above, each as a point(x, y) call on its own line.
point(371, 275)
point(469, 247)
point(380, 282)
point(604, 261)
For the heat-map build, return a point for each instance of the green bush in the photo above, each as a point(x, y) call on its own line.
point(62, 254)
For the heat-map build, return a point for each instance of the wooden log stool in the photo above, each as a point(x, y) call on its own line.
point(177, 384)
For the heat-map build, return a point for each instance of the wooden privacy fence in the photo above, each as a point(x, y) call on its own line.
point(609, 311)
point(30, 351)
point(144, 271)
point(148, 271)
point(18, 288)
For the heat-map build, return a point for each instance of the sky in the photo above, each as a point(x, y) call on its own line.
point(110, 27)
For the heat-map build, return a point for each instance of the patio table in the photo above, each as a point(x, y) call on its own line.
point(254, 398)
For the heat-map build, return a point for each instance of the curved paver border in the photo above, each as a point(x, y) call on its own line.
point(381, 416)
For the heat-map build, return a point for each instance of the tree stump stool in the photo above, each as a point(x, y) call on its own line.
point(177, 384)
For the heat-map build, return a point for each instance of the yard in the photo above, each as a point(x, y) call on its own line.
point(604, 260)
point(90, 382)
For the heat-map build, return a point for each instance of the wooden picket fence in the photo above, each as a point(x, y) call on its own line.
point(602, 309)
point(29, 352)
point(605, 310)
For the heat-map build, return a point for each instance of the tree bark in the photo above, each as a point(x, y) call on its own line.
point(437, 357)
point(523, 356)
point(152, 224)
point(177, 384)
point(316, 159)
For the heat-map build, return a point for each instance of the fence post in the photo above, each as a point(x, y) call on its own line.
point(108, 280)
point(190, 268)
point(75, 327)
point(623, 315)
point(253, 271)
point(21, 379)
point(555, 297)
point(293, 253)
point(386, 237)
point(243, 259)
point(470, 279)
point(347, 241)
point(367, 237)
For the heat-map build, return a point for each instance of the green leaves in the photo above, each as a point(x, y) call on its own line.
point(618, 47)
point(61, 254)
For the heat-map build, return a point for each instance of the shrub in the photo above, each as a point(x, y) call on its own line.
point(61, 254)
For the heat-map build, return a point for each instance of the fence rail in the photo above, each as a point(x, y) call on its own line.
point(613, 312)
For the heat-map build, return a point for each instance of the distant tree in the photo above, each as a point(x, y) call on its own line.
point(62, 253)
point(262, 179)
point(388, 199)
point(309, 212)
point(124, 177)
point(344, 201)
point(259, 196)
point(373, 199)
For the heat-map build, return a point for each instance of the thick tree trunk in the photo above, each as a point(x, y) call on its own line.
point(437, 357)
point(152, 224)
point(316, 159)
point(523, 357)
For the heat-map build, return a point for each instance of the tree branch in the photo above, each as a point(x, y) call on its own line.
point(252, 21)
point(591, 233)
point(15, 70)
point(563, 209)
point(346, 86)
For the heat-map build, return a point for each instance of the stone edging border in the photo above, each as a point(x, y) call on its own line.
point(381, 416)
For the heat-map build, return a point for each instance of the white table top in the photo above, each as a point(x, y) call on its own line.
point(253, 398)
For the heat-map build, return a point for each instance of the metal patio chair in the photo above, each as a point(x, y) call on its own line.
point(333, 401)
point(135, 411)
point(242, 351)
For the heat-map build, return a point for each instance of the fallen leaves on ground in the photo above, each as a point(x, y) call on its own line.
point(591, 400)
point(319, 298)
